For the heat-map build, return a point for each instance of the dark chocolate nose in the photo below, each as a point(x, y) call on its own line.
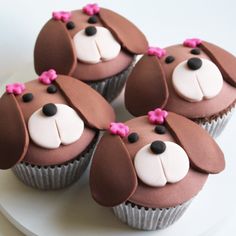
point(158, 147)
point(90, 30)
point(49, 109)
point(194, 63)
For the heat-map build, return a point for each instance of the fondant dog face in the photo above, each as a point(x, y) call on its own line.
point(124, 167)
point(184, 77)
point(83, 38)
point(50, 116)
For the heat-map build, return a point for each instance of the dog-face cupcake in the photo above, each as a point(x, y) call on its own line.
point(150, 168)
point(196, 79)
point(49, 128)
point(95, 45)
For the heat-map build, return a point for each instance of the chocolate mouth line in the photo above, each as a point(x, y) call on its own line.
point(58, 132)
point(164, 173)
point(98, 50)
point(163, 170)
point(200, 87)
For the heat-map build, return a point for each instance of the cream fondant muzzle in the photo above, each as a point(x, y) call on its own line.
point(196, 85)
point(65, 127)
point(157, 170)
point(101, 46)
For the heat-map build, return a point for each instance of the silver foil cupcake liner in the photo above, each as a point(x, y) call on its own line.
point(53, 177)
point(149, 218)
point(112, 86)
point(216, 126)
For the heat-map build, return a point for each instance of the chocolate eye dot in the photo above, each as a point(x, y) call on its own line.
point(70, 25)
point(169, 59)
point(158, 147)
point(52, 89)
point(195, 51)
point(90, 31)
point(133, 137)
point(27, 97)
point(160, 129)
point(92, 20)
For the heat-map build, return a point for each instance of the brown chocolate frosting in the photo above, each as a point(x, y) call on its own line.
point(13, 124)
point(155, 88)
point(54, 48)
point(113, 181)
point(44, 157)
point(170, 195)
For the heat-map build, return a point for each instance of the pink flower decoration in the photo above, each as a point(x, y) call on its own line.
point(91, 9)
point(47, 77)
point(192, 43)
point(157, 116)
point(16, 88)
point(64, 16)
point(119, 129)
point(155, 51)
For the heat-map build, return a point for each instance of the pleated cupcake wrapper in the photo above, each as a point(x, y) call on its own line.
point(149, 218)
point(111, 87)
point(216, 126)
point(53, 177)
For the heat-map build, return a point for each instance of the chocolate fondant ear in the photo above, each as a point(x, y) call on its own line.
point(14, 139)
point(54, 49)
point(146, 87)
point(94, 109)
point(203, 152)
point(112, 176)
point(225, 61)
point(129, 36)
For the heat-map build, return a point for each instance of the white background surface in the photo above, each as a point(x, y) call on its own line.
point(164, 23)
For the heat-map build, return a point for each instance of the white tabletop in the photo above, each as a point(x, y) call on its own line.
point(163, 22)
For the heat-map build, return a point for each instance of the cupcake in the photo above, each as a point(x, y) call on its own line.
point(195, 79)
point(150, 168)
point(94, 45)
point(49, 128)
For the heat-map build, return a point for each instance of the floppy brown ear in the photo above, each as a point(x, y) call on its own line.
point(129, 36)
point(14, 139)
point(146, 87)
point(225, 61)
point(203, 152)
point(54, 49)
point(95, 110)
point(112, 176)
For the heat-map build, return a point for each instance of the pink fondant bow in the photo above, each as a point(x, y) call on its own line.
point(192, 43)
point(16, 88)
point(64, 16)
point(155, 51)
point(119, 129)
point(157, 116)
point(47, 77)
point(91, 9)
